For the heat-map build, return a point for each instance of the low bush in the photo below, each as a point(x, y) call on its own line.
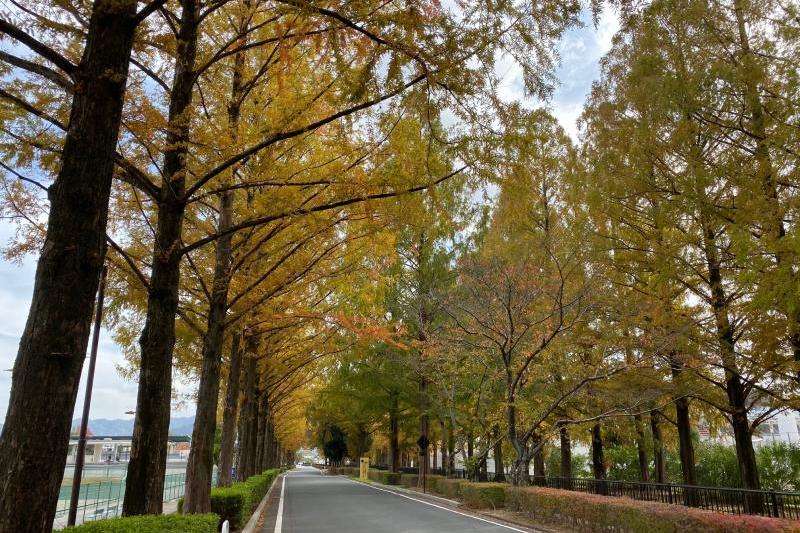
point(433, 482)
point(237, 502)
point(343, 470)
point(590, 513)
point(449, 487)
point(409, 480)
point(196, 523)
point(483, 495)
point(389, 478)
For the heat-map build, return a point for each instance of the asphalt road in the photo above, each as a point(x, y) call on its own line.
point(313, 503)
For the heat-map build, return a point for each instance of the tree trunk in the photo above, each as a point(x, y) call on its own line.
point(394, 435)
point(598, 461)
point(247, 438)
point(200, 468)
point(47, 371)
point(451, 450)
point(566, 458)
point(229, 415)
point(197, 498)
point(483, 467)
point(144, 488)
point(538, 460)
point(520, 467)
point(682, 420)
point(499, 472)
point(644, 464)
point(737, 397)
point(659, 463)
point(424, 465)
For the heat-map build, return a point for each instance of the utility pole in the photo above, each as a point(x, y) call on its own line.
point(87, 400)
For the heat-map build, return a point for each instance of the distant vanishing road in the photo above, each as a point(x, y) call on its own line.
point(313, 503)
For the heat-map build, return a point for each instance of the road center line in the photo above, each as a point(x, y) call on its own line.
point(432, 505)
point(279, 519)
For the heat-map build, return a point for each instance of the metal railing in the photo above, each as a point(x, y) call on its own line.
point(104, 499)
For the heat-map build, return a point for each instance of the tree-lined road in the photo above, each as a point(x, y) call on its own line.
point(313, 503)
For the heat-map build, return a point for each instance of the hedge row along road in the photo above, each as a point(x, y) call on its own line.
point(308, 502)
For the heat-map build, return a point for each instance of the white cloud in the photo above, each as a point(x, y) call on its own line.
point(581, 50)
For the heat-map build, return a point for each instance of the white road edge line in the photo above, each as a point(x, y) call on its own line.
point(432, 505)
point(279, 519)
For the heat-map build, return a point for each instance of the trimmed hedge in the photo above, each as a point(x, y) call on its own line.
point(389, 478)
point(409, 480)
point(449, 487)
point(590, 513)
point(483, 495)
point(196, 523)
point(351, 471)
point(237, 502)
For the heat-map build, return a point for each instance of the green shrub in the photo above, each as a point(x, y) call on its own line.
point(483, 495)
point(433, 480)
point(237, 502)
point(449, 487)
point(409, 480)
point(717, 465)
point(590, 513)
point(233, 504)
point(389, 478)
point(779, 466)
point(196, 523)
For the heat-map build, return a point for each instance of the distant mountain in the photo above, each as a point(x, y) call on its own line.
point(124, 428)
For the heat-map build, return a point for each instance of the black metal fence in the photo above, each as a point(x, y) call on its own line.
point(778, 504)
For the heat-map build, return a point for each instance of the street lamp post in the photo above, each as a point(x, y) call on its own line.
point(79, 458)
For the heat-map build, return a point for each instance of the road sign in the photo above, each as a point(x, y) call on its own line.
point(423, 443)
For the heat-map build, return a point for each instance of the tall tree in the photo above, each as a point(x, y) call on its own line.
point(54, 341)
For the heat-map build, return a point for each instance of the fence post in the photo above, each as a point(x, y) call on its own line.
point(775, 504)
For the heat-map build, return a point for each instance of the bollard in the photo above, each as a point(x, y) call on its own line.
point(226, 527)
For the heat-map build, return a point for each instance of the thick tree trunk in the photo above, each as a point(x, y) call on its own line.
point(737, 397)
point(683, 423)
point(451, 450)
point(598, 460)
point(538, 460)
point(659, 464)
point(200, 467)
point(144, 489)
point(644, 464)
point(35, 438)
point(197, 498)
point(499, 472)
point(520, 467)
point(394, 435)
point(247, 439)
point(229, 415)
point(566, 457)
point(685, 441)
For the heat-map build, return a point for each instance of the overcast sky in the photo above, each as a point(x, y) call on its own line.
point(581, 49)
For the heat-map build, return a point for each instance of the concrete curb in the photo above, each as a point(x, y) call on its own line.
point(399, 489)
point(250, 526)
point(456, 504)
